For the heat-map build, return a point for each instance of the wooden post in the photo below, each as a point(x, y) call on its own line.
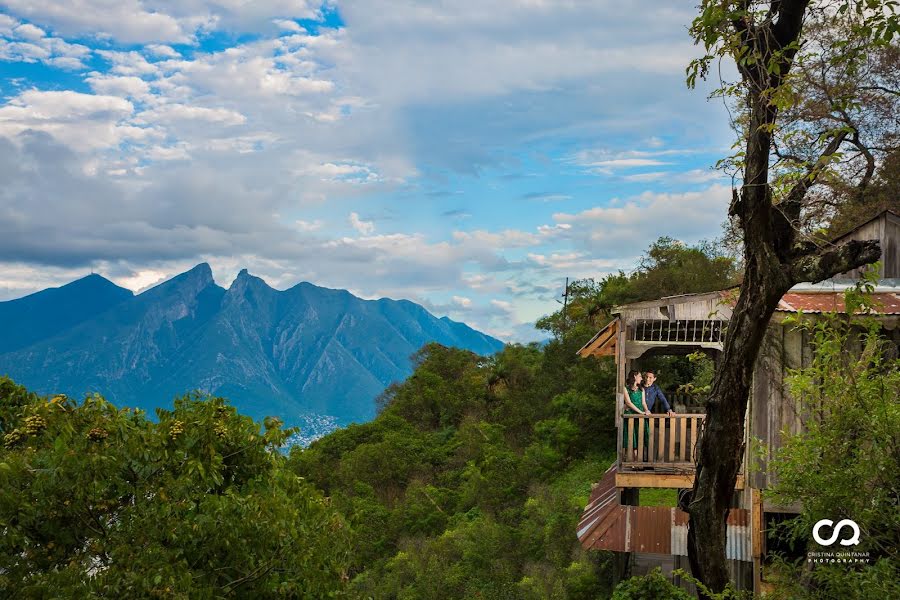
point(640, 440)
point(673, 422)
point(757, 525)
point(620, 387)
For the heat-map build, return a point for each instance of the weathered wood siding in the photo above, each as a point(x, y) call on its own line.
point(886, 229)
point(712, 307)
point(773, 411)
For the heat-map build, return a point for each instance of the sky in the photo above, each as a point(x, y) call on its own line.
point(466, 155)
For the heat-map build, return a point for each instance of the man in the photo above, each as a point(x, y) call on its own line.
point(654, 394)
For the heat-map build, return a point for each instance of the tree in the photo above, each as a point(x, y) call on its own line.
point(97, 501)
point(766, 41)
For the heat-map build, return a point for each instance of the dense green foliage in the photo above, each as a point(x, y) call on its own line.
point(653, 586)
point(851, 395)
point(101, 502)
point(471, 480)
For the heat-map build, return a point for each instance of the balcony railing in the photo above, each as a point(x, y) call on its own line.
point(664, 443)
point(679, 331)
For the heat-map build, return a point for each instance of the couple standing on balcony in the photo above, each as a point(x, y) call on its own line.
point(641, 395)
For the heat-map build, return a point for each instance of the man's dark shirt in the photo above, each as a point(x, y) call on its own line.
point(652, 394)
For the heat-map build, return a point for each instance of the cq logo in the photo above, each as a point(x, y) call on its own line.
point(853, 540)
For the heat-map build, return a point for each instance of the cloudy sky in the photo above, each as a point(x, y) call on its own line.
point(467, 155)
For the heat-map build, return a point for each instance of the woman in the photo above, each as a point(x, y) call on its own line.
point(634, 405)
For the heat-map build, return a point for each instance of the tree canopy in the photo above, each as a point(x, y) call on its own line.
point(97, 501)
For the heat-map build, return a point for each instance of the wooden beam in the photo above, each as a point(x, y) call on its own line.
point(603, 343)
point(757, 525)
point(662, 480)
point(796, 508)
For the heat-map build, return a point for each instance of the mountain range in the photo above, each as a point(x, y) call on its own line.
point(304, 351)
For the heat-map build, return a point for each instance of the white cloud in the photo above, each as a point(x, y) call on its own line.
point(86, 121)
point(503, 305)
point(692, 176)
point(125, 86)
point(162, 51)
point(28, 31)
point(625, 163)
point(628, 229)
point(140, 280)
point(129, 63)
point(7, 24)
point(287, 25)
point(364, 227)
point(126, 20)
point(178, 152)
point(307, 226)
point(65, 62)
point(173, 113)
point(340, 171)
point(648, 176)
point(462, 302)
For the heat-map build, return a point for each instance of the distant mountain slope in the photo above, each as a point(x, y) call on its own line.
point(306, 350)
point(46, 313)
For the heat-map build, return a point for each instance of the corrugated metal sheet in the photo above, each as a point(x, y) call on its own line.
point(599, 523)
point(886, 303)
point(650, 529)
point(607, 525)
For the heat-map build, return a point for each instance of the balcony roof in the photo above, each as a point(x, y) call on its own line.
point(603, 343)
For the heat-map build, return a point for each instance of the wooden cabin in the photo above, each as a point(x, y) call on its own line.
point(657, 536)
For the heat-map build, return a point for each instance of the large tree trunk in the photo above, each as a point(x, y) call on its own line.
point(774, 261)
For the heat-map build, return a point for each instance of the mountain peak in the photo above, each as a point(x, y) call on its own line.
point(202, 271)
point(245, 281)
point(37, 316)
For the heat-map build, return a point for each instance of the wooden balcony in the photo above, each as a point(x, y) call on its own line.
point(666, 451)
point(662, 442)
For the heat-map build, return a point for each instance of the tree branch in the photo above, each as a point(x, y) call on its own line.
point(793, 202)
point(870, 163)
point(826, 263)
point(880, 88)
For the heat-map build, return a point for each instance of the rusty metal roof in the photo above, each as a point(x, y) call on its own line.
point(886, 303)
point(607, 525)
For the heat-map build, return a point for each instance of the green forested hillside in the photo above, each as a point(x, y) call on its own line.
point(471, 480)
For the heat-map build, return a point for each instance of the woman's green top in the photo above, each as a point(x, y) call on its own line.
point(637, 398)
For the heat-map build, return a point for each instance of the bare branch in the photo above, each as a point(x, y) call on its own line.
point(793, 202)
point(880, 88)
point(870, 161)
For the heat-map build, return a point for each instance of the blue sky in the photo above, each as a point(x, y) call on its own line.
point(468, 156)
